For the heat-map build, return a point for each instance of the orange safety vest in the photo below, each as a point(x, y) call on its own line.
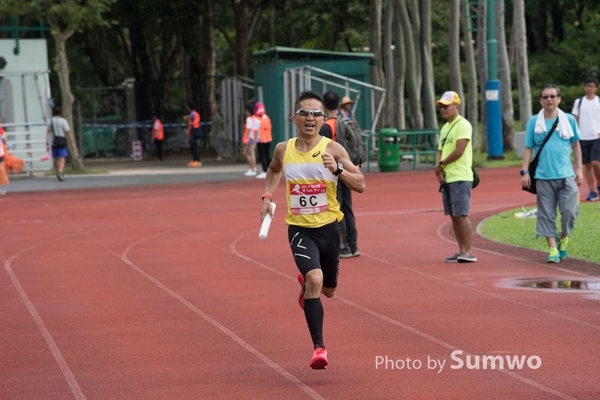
point(158, 129)
point(266, 129)
point(194, 122)
point(2, 141)
point(332, 122)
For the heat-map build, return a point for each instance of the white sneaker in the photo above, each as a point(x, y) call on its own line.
point(250, 172)
point(262, 175)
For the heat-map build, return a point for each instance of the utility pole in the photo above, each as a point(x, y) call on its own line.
point(493, 94)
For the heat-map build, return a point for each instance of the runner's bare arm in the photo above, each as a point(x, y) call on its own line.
point(272, 179)
point(351, 175)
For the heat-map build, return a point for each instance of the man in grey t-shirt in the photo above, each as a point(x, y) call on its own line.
point(56, 136)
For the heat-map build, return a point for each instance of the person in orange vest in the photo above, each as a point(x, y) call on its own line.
point(194, 135)
point(8, 162)
point(251, 135)
point(265, 138)
point(3, 174)
point(158, 135)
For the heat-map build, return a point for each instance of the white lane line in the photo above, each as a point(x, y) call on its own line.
point(400, 324)
point(205, 316)
point(241, 342)
point(450, 347)
point(58, 357)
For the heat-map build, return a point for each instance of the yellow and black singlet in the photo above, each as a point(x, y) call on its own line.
point(310, 187)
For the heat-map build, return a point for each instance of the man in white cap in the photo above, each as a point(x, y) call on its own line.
point(453, 171)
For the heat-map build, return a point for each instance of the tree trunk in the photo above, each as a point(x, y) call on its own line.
point(429, 111)
point(483, 66)
point(211, 54)
point(540, 22)
point(399, 70)
point(414, 17)
point(62, 69)
point(472, 94)
point(412, 73)
point(241, 37)
point(388, 64)
point(454, 53)
point(375, 43)
point(520, 46)
point(508, 118)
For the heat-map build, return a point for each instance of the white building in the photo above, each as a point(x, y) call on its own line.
point(25, 99)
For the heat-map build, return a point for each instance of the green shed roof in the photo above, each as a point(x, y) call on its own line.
point(291, 53)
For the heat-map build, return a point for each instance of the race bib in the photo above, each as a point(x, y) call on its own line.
point(308, 198)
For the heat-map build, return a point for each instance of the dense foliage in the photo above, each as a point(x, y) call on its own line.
point(162, 42)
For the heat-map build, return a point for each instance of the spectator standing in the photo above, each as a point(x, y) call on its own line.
point(556, 178)
point(586, 110)
point(250, 138)
point(158, 136)
point(346, 107)
point(3, 170)
point(216, 132)
point(265, 138)
point(348, 231)
point(454, 173)
point(194, 135)
point(56, 138)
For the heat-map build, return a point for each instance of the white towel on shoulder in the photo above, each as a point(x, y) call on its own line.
point(564, 127)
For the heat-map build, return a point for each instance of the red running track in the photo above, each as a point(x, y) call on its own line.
point(165, 292)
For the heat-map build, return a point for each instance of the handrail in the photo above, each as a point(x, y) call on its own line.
point(413, 135)
point(367, 137)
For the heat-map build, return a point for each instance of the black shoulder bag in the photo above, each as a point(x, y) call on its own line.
point(534, 163)
point(57, 141)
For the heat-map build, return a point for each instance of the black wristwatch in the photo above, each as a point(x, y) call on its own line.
point(440, 163)
point(339, 169)
point(524, 172)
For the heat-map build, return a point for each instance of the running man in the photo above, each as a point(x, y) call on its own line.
point(312, 165)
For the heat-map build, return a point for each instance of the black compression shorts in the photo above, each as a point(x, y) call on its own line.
point(317, 248)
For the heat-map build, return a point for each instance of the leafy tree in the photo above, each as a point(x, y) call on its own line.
point(64, 18)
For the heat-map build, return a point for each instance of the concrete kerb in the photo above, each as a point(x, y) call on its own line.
point(126, 172)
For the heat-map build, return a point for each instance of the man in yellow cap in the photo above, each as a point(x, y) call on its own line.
point(453, 171)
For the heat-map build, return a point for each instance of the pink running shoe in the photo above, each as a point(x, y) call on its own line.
point(301, 295)
point(319, 359)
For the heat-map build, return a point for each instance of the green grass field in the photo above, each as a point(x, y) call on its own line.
point(511, 159)
point(585, 238)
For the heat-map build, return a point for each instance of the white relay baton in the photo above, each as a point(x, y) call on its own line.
point(266, 224)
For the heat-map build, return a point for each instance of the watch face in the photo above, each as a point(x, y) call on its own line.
point(340, 165)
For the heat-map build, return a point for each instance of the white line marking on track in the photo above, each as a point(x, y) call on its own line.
point(481, 292)
point(58, 357)
point(449, 346)
point(400, 324)
point(301, 385)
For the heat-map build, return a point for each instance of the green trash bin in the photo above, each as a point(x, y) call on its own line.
point(389, 157)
